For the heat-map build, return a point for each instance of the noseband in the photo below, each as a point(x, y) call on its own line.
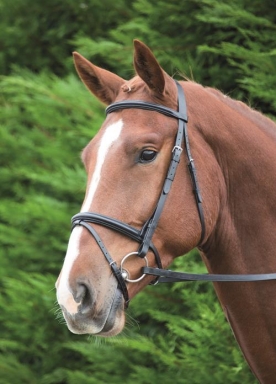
point(144, 236)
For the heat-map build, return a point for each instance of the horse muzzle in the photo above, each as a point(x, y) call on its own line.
point(86, 317)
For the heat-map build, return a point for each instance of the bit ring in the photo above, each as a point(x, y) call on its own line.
point(125, 273)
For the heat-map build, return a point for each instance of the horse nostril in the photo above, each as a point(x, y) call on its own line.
point(83, 296)
point(80, 293)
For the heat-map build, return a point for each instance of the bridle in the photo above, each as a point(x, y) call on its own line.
point(144, 236)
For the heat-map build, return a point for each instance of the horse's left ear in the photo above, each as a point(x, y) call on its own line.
point(148, 68)
point(103, 84)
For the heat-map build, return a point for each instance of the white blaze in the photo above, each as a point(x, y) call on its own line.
point(64, 295)
point(111, 134)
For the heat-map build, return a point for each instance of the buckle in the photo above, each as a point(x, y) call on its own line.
point(177, 147)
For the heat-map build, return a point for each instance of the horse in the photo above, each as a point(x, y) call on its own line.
point(144, 206)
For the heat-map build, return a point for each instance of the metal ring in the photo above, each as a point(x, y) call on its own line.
point(124, 259)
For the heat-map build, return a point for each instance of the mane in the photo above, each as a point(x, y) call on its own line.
point(253, 115)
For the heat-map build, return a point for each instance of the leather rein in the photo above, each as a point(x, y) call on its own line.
point(144, 236)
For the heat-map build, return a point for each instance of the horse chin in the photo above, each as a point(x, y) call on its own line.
point(108, 322)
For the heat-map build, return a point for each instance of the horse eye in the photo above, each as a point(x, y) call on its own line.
point(147, 155)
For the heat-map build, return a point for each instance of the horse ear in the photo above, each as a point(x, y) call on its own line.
point(103, 84)
point(148, 68)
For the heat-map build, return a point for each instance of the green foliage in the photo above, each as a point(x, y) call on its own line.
point(250, 48)
point(228, 45)
point(45, 123)
point(175, 333)
point(38, 36)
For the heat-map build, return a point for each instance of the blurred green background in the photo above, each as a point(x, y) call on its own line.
point(175, 333)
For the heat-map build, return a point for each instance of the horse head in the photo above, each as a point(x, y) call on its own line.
point(126, 164)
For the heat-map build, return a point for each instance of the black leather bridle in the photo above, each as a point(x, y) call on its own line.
point(144, 236)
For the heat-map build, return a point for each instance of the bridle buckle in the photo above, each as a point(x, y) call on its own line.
point(177, 147)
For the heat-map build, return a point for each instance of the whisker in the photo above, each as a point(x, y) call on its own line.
point(130, 320)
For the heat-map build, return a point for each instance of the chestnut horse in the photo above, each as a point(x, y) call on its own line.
point(232, 219)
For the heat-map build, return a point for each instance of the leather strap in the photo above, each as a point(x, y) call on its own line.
point(182, 134)
point(110, 223)
point(138, 104)
point(115, 225)
point(116, 271)
point(167, 276)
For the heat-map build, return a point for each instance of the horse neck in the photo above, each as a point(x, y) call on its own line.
point(244, 145)
point(243, 239)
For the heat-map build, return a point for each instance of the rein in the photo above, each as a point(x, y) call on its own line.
point(144, 236)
